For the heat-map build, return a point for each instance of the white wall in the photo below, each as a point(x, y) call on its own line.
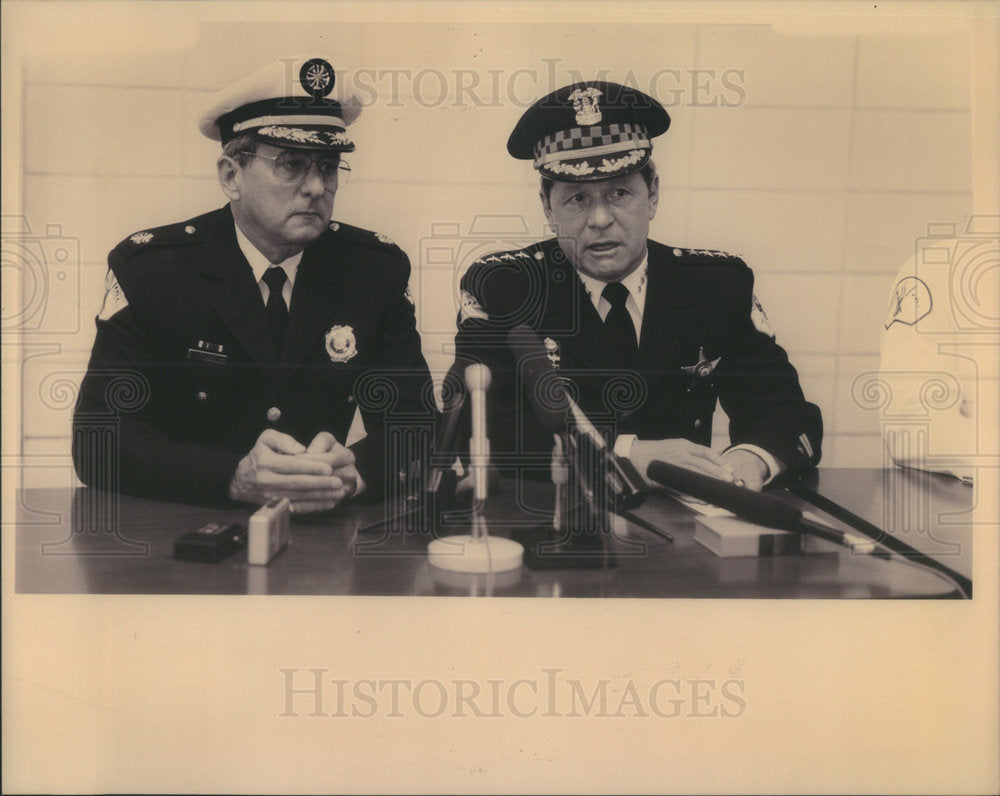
point(821, 156)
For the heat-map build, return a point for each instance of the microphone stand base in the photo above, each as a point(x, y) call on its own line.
point(465, 553)
point(547, 548)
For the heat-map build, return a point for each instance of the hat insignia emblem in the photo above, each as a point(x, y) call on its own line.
point(585, 104)
point(317, 77)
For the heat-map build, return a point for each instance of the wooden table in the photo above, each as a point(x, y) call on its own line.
point(86, 541)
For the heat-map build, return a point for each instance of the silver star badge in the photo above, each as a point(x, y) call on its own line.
point(703, 367)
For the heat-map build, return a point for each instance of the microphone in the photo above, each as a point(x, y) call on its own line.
point(553, 409)
point(444, 450)
point(540, 382)
point(477, 552)
point(430, 480)
point(477, 380)
point(756, 507)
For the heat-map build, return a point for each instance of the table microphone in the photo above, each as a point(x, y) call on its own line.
point(477, 381)
point(445, 451)
point(477, 552)
point(430, 480)
point(554, 409)
point(607, 482)
point(776, 513)
point(757, 507)
point(541, 383)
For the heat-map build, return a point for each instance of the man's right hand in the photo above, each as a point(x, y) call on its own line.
point(682, 453)
point(274, 469)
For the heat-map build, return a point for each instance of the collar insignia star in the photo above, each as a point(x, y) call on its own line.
point(703, 367)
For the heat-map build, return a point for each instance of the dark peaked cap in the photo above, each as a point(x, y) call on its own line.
point(589, 131)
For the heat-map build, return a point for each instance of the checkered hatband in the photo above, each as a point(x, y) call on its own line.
point(587, 142)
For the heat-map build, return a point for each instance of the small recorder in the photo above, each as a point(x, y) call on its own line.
point(268, 531)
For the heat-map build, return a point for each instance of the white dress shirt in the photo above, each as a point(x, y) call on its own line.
point(259, 263)
point(635, 283)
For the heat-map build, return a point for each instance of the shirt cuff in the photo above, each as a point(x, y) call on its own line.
point(623, 445)
point(775, 466)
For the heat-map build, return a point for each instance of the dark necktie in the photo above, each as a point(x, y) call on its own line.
point(619, 322)
point(277, 312)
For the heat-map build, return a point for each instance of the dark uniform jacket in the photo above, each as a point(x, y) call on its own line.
point(699, 307)
point(183, 379)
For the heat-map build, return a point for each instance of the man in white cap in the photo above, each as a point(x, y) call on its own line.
point(234, 349)
point(651, 336)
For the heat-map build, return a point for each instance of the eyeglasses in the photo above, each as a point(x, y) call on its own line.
point(293, 167)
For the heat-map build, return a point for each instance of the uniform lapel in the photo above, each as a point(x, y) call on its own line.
point(236, 296)
point(314, 303)
point(571, 318)
point(669, 316)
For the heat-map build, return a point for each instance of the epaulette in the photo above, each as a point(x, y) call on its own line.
point(699, 255)
point(362, 237)
point(181, 234)
point(512, 256)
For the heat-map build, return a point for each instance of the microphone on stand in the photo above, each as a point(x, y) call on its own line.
point(477, 552)
point(444, 452)
point(555, 411)
point(606, 482)
point(477, 380)
point(431, 478)
point(620, 476)
point(559, 468)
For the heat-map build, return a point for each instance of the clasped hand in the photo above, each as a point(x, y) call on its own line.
point(313, 478)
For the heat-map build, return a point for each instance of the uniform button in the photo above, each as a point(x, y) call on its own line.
point(189, 229)
point(202, 395)
point(678, 252)
point(539, 256)
point(334, 226)
point(697, 423)
point(274, 414)
point(350, 399)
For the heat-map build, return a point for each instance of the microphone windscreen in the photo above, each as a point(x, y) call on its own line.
point(539, 380)
point(753, 506)
point(478, 378)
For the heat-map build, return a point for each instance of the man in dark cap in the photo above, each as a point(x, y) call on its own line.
point(234, 350)
point(650, 336)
